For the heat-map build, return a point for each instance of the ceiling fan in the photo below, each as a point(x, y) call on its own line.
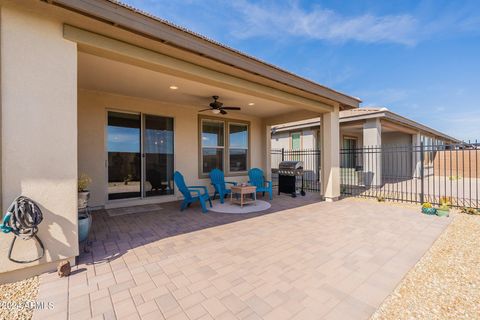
point(217, 107)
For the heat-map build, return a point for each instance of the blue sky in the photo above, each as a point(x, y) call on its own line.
point(420, 59)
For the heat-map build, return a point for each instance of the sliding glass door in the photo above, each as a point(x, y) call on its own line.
point(140, 155)
point(158, 150)
point(124, 160)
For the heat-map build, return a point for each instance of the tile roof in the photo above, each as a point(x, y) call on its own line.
point(198, 35)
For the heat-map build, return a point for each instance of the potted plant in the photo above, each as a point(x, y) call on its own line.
point(83, 193)
point(84, 218)
point(427, 208)
point(444, 209)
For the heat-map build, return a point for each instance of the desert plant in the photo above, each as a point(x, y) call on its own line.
point(427, 205)
point(454, 178)
point(468, 210)
point(83, 182)
point(445, 201)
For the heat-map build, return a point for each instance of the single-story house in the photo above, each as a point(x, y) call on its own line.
point(100, 88)
point(366, 127)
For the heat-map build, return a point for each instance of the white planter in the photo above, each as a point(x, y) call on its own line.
point(83, 199)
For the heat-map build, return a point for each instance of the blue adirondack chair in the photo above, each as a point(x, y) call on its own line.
point(200, 193)
point(217, 179)
point(257, 179)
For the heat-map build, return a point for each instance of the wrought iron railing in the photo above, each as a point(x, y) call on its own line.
point(414, 173)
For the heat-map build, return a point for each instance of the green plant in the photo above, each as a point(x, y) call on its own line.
point(83, 182)
point(445, 201)
point(467, 210)
point(454, 178)
point(380, 199)
point(427, 205)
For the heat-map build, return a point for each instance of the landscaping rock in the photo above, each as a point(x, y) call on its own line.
point(16, 299)
point(445, 283)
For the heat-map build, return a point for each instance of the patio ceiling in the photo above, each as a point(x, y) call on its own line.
point(358, 128)
point(107, 75)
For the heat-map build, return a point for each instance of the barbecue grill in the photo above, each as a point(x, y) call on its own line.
point(288, 171)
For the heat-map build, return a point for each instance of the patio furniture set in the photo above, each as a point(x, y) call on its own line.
point(241, 194)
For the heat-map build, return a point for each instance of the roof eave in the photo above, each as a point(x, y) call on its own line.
point(129, 18)
point(397, 118)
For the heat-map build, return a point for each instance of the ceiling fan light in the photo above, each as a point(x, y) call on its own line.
point(215, 111)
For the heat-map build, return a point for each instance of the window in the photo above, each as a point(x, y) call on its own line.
point(238, 147)
point(350, 154)
point(224, 145)
point(296, 141)
point(213, 133)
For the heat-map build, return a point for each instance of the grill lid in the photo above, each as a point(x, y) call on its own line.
point(290, 165)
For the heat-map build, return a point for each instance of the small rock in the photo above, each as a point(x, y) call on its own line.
point(64, 269)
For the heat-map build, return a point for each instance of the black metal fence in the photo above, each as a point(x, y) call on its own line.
point(311, 166)
point(414, 173)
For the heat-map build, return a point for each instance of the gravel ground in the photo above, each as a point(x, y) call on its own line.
point(15, 298)
point(445, 283)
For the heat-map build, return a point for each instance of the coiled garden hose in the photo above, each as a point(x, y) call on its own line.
point(22, 219)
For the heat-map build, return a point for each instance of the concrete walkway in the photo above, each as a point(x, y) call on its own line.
point(316, 261)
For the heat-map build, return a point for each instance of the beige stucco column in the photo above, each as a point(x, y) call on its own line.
point(330, 155)
point(268, 151)
point(372, 162)
point(39, 136)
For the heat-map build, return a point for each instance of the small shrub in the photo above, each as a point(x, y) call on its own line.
point(380, 199)
point(454, 178)
point(445, 201)
point(427, 205)
point(83, 182)
point(471, 211)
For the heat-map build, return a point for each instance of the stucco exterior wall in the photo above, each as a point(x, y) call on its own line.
point(281, 140)
point(396, 159)
point(396, 139)
point(309, 139)
point(39, 135)
point(92, 111)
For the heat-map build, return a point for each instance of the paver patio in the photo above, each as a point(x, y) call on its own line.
point(301, 259)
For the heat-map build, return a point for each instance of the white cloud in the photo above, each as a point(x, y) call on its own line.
point(321, 24)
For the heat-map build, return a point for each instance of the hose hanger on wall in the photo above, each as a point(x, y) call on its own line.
point(22, 219)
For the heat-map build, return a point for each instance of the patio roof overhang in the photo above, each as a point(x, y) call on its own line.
point(110, 65)
point(127, 24)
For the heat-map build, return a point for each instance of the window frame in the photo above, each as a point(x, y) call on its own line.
point(227, 159)
point(226, 145)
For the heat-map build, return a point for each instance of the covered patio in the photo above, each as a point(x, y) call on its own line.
point(302, 259)
point(144, 115)
point(111, 92)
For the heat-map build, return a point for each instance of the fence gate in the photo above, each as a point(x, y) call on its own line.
point(311, 166)
point(413, 173)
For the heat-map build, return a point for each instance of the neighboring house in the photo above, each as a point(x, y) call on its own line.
point(101, 88)
point(367, 127)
